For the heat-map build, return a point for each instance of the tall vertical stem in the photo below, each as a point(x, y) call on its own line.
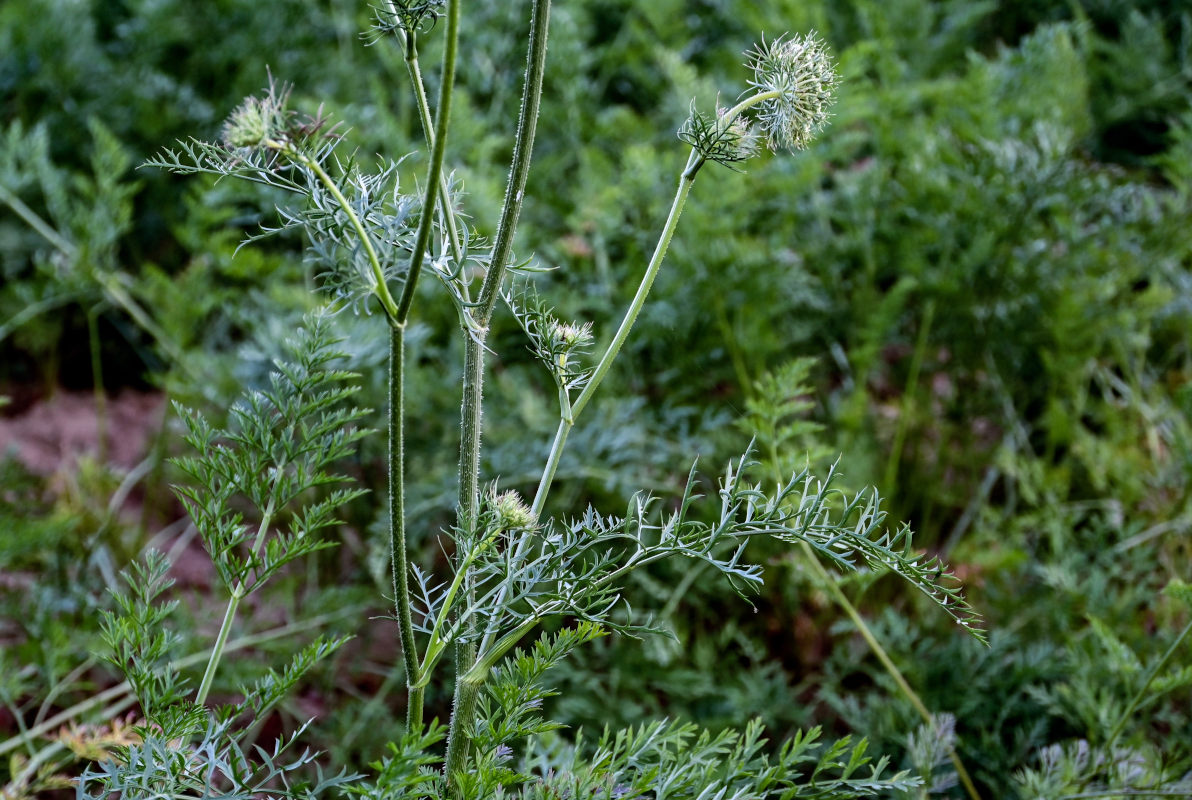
point(397, 521)
point(464, 711)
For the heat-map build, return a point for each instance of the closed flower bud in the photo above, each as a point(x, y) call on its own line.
point(258, 121)
point(718, 138)
point(511, 512)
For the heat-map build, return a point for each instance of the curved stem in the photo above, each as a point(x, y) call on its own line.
point(381, 288)
point(686, 179)
point(727, 117)
point(569, 413)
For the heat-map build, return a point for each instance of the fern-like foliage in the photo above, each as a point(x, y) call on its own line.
point(268, 690)
point(776, 415)
point(675, 761)
point(275, 457)
point(576, 568)
point(359, 223)
point(408, 770)
point(215, 766)
point(510, 708)
point(279, 447)
point(375, 199)
point(141, 644)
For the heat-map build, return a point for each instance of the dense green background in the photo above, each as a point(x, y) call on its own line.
point(987, 256)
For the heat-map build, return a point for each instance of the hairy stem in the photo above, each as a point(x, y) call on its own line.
point(473, 390)
point(686, 179)
point(438, 142)
point(397, 521)
point(410, 49)
point(467, 692)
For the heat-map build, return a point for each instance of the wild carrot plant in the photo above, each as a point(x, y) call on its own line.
point(261, 492)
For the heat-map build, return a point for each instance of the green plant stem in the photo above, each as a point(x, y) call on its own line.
point(380, 287)
point(32, 310)
point(217, 649)
point(467, 692)
point(567, 421)
point(908, 397)
point(438, 142)
point(37, 223)
point(101, 403)
point(238, 594)
point(464, 708)
point(410, 50)
point(570, 412)
point(397, 523)
point(1150, 678)
point(842, 600)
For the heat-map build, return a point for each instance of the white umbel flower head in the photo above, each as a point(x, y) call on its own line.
point(800, 70)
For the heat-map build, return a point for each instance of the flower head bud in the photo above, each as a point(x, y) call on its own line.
point(511, 511)
point(570, 336)
point(800, 73)
point(739, 136)
point(258, 120)
point(719, 139)
point(564, 338)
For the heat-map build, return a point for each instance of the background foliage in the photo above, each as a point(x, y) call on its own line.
point(974, 290)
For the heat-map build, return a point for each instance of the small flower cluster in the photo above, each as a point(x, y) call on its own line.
point(719, 139)
point(259, 121)
point(799, 72)
point(266, 123)
point(564, 338)
point(511, 512)
point(793, 81)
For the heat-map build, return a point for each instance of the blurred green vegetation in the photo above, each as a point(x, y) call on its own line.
point(974, 290)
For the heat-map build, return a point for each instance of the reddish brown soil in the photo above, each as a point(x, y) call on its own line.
point(50, 435)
